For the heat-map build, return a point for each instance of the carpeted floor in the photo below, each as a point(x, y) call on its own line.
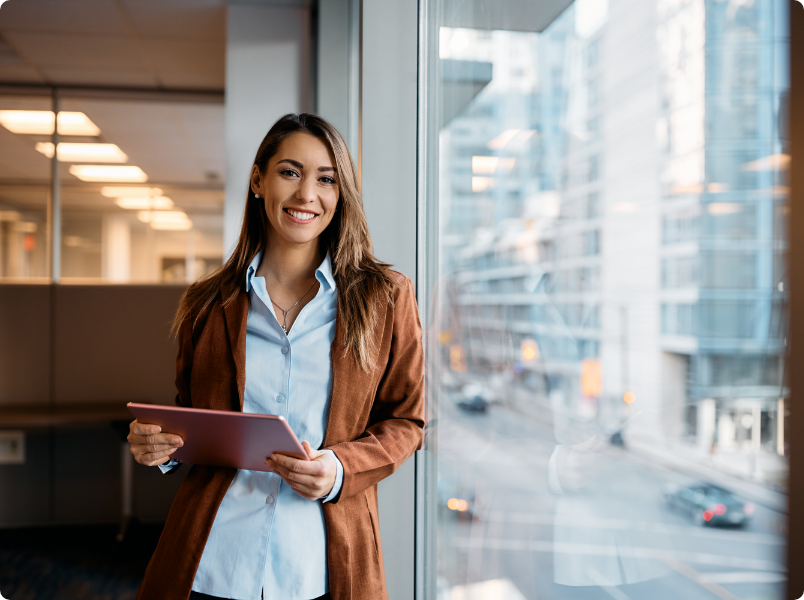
point(74, 563)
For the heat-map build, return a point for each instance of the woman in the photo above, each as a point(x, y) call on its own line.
point(302, 321)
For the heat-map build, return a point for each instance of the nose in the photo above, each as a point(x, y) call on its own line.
point(306, 192)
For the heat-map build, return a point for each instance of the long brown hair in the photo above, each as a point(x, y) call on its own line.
point(362, 281)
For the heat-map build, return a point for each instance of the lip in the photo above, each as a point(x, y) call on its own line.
point(300, 221)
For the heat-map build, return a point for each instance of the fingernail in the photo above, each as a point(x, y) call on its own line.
point(172, 450)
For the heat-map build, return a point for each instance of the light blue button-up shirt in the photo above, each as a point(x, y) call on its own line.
point(266, 538)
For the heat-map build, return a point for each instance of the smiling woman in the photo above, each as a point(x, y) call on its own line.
point(343, 363)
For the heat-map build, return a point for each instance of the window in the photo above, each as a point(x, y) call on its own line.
point(605, 344)
point(139, 182)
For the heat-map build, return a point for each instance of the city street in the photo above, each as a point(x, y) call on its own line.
point(619, 524)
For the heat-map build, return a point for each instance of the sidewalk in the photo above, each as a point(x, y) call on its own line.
point(729, 470)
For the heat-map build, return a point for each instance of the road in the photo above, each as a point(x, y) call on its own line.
point(523, 533)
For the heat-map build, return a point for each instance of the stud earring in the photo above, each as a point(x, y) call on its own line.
point(256, 195)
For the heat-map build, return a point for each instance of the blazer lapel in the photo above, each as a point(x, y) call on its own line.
point(236, 320)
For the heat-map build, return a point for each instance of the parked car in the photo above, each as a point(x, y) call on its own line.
point(473, 397)
point(709, 504)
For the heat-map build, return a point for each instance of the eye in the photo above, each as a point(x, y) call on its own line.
point(289, 172)
point(328, 180)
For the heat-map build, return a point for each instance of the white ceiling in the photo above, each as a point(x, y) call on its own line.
point(132, 43)
point(148, 44)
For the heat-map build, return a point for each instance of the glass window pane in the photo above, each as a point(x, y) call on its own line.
point(25, 121)
point(606, 311)
point(143, 197)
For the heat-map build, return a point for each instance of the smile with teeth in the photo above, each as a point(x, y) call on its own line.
point(304, 216)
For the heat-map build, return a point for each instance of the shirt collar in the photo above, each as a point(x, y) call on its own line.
point(323, 273)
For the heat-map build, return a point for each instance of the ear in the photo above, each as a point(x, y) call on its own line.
point(255, 180)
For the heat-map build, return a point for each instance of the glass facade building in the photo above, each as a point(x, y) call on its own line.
point(608, 316)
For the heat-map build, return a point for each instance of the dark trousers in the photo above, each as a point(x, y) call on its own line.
point(197, 596)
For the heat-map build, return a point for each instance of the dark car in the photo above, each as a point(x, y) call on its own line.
point(472, 398)
point(461, 503)
point(708, 504)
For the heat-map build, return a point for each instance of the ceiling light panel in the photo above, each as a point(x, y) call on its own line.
point(129, 191)
point(70, 152)
point(101, 173)
point(145, 203)
point(40, 122)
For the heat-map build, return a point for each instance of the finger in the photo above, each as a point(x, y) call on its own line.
point(154, 458)
point(148, 448)
point(144, 428)
point(292, 476)
point(310, 467)
point(168, 439)
point(311, 453)
point(306, 491)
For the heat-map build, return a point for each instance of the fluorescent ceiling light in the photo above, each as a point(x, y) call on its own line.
point(147, 216)
point(107, 173)
point(175, 220)
point(129, 191)
point(40, 122)
point(69, 152)
point(172, 225)
point(145, 203)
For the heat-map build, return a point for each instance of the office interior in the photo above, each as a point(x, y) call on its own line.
point(595, 200)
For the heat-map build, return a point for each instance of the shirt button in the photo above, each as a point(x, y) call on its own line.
point(269, 500)
point(285, 349)
point(280, 397)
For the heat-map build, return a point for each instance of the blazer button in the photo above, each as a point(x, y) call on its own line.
point(280, 397)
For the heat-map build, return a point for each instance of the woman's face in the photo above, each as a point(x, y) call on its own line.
point(300, 188)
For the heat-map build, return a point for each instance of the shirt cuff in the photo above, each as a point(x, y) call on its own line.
point(336, 487)
point(552, 472)
point(168, 466)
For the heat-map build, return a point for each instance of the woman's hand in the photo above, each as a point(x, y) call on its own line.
point(311, 479)
point(149, 446)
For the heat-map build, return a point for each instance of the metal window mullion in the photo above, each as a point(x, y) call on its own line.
point(54, 201)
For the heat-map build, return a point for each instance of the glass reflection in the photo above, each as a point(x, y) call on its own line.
point(608, 314)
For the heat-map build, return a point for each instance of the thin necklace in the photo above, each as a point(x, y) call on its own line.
point(285, 312)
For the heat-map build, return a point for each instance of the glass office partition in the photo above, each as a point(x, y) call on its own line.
point(142, 191)
point(140, 185)
point(24, 187)
point(606, 301)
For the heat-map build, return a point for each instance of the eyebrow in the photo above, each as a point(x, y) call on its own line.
point(298, 165)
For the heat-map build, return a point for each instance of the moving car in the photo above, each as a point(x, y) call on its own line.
point(708, 504)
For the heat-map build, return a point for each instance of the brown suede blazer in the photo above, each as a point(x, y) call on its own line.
point(375, 423)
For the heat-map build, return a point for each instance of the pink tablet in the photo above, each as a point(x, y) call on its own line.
point(222, 438)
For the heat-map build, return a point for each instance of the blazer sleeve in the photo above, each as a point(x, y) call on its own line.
point(398, 413)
